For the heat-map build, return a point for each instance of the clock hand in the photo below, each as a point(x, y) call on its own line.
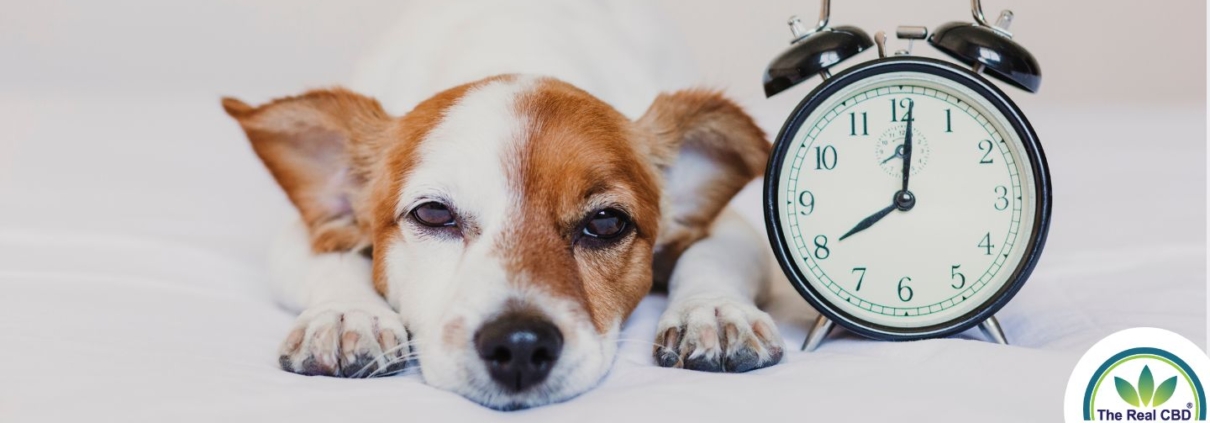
point(898, 154)
point(903, 200)
point(869, 221)
point(907, 147)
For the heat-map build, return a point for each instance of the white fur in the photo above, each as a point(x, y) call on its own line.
point(433, 281)
point(691, 167)
point(436, 281)
point(729, 263)
point(620, 51)
point(301, 280)
point(335, 293)
point(715, 283)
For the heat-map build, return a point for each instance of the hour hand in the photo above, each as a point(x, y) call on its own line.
point(869, 221)
point(898, 154)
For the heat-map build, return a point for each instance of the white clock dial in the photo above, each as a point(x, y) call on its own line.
point(954, 248)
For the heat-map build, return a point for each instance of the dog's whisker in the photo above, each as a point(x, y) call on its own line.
point(401, 359)
point(388, 362)
point(380, 369)
point(394, 349)
point(372, 362)
point(639, 341)
point(397, 372)
point(384, 363)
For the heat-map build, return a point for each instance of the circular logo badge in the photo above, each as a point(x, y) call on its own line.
point(1140, 374)
point(888, 150)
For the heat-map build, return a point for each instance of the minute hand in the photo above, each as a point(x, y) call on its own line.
point(907, 147)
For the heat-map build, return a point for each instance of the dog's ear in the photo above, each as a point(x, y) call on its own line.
point(315, 146)
point(708, 149)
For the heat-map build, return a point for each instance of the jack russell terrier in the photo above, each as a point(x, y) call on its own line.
point(498, 234)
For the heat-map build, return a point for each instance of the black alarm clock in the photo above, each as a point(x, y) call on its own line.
point(907, 197)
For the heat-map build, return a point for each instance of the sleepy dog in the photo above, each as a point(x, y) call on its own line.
point(498, 233)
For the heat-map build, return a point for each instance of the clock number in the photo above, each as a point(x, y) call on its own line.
point(902, 288)
point(821, 247)
point(954, 273)
point(906, 105)
point(948, 122)
point(986, 147)
point(807, 200)
point(859, 277)
point(1002, 201)
point(825, 157)
point(865, 127)
point(986, 244)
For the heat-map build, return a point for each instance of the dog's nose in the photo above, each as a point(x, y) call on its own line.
point(519, 349)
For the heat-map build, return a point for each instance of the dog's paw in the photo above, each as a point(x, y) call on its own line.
point(717, 335)
point(353, 341)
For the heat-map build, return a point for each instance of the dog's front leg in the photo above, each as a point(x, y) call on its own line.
point(345, 329)
point(712, 322)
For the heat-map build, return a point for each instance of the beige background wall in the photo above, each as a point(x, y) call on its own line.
point(1091, 51)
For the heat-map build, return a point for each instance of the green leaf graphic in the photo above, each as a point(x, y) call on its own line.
point(1146, 386)
point(1126, 391)
point(1164, 391)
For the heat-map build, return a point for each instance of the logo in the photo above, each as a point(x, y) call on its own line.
point(1141, 374)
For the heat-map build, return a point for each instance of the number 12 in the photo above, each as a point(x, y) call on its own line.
point(906, 105)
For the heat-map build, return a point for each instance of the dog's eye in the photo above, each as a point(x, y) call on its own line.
point(606, 224)
point(433, 214)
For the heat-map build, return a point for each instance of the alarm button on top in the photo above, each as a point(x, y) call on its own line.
point(1001, 57)
point(813, 54)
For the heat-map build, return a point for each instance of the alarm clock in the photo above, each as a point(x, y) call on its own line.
point(907, 197)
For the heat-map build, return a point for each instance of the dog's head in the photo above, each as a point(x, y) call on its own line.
point(514, 222)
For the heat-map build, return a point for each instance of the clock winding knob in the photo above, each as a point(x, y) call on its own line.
point(797, 30)
point(1004, 21)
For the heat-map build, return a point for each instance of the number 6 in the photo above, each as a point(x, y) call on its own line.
point(902, 288)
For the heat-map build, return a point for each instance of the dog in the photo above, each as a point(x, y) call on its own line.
point(497, 234)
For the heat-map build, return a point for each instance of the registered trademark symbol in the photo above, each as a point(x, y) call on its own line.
point(1188, 405)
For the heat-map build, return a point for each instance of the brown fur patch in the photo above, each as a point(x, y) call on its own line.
point(579, 148)
point(307, 142)
point(704, 123)
point(341, 161)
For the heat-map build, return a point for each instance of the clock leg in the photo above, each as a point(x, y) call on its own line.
point(817, 333)
point(991, 329)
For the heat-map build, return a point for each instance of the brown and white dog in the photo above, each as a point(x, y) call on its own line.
point(499, 233)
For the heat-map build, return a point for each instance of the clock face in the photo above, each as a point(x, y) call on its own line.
point(887, 257)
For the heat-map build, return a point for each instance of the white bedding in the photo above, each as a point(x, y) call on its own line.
point(132, 238)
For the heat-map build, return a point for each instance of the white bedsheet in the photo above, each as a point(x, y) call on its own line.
point(132, 237)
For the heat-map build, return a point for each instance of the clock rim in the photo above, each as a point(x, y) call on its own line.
point(981, 87)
